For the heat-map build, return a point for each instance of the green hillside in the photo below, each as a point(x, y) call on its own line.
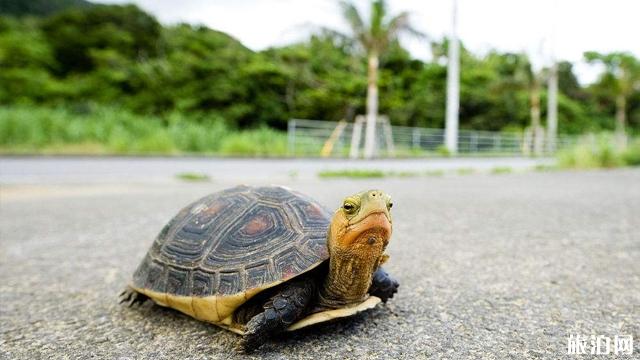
point(38, 7)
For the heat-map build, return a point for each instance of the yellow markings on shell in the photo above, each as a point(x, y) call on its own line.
point(219, 309)
point(213, 309)
point(327, 315)
point(180, 303)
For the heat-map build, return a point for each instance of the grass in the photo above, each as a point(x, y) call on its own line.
point(599, 152)
point(191, 176)
point(632, 155)
point(371, 173)
point(403, 173)
point(545, 168)
point(375, 173)
point(365, 173)
point(443, 151)
point(293, 174)
point(465, 171)
point(354, 174)
point(434, 172)
point(500, 170)
point(106, 130)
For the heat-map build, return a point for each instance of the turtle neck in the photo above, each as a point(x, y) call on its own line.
point(349, 277)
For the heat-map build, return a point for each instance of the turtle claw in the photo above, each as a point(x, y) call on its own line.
point(383, 285)
point(130, 297)
point(255, 334)
point(394, 289)
point(248, 344)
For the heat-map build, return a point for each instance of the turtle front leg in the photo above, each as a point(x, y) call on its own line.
point(383, 285)
point(280, 311)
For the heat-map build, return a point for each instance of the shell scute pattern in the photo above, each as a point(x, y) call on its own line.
point(234, 240)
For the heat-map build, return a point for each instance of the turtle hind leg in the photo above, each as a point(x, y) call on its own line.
point(280, 311)
point(129, 296)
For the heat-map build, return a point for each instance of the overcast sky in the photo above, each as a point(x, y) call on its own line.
point(507, 25)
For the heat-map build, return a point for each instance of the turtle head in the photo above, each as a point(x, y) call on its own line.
point(358, 235)
point(362, 224)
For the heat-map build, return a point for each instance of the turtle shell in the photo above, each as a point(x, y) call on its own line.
point(237, 241)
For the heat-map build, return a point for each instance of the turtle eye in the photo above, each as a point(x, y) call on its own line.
point(349, 207)
point(389, 205)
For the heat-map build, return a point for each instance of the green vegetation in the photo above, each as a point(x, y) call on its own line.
point(258, 142)
point(632, 155)
point(111, 79)
point(403, 173)
point(191, 176)
point(434, 172)
point(373, 173)
point(374, 34)
point(365, 173)
point(545, 168)
point(443, 151)
point(101, 130)
point(355, 173)
point(465, 171)
point(599, 152)
point(622, 80)
point(499, 170)
point(39, 7)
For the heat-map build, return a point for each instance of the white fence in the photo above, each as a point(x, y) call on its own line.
point(329, 138)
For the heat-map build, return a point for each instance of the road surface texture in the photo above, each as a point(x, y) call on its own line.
point(490, 266)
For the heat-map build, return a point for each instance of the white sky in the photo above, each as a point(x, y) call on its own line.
point(506, 25)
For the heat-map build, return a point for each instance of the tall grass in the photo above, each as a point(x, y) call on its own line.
point(599, 152)
point(114, 131)
point(259, 142)
point(632, 155)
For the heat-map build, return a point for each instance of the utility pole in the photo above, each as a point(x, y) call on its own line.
point(453, 85)
point(552, 89)
point(552, 108)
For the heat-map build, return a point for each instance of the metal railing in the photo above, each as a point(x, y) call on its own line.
point(331, 138)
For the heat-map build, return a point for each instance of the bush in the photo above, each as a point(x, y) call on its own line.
point(112, 130)
point(632, 155)
point(443, 151)
point(593, 152)
point(259, 142)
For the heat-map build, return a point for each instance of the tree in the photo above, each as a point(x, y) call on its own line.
point(39, 7)
point(622, 77)
point(75, 33)
point(324, 80)
point(524, 77)
point(374, 38)
point(25, 59)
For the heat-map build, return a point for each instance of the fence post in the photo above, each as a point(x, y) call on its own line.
point(474, 142)
point(356, 134)
point(526, 142)
point(415, 138)
point(291, 137)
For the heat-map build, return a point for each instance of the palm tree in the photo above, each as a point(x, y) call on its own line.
point(622, 76)
point(374, 37)
point(527, 78)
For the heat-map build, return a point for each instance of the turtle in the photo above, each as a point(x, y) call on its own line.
point(259, 261)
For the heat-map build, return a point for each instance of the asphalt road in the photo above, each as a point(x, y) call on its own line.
point(491, 266)
point(82, 170)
